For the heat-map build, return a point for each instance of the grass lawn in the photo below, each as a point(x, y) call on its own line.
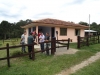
point(43, 64)
point(92, 48)
point(92, 69)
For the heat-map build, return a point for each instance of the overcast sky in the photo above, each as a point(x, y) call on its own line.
point(67, 10)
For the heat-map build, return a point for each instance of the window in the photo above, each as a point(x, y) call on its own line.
point(77, 32)
point(63, 31)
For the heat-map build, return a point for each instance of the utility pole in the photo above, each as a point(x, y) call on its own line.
point(89, 24)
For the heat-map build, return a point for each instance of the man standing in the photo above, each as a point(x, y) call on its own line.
point(41, 41)
point(30, 41)
point(23, 41)
point(34, 32)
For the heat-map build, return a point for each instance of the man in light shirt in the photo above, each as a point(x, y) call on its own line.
point(23, 41)
point(41, 41)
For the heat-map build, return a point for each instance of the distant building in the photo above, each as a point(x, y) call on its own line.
point(92, 32)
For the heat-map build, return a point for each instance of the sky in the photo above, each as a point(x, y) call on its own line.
point(67, 10)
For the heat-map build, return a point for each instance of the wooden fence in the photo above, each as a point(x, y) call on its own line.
point(53, 49)
point(88, 40)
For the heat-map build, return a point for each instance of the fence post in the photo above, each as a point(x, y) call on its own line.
point(78, 41)
point(68, 43)
point(33, 53)
point(53, 46)
point(8, 59)
point(98, 37)
point(87, 41)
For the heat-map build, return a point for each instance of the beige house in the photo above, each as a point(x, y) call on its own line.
point(64, 29)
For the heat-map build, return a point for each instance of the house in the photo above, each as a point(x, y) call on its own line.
point(64, 29)
point(91, 32)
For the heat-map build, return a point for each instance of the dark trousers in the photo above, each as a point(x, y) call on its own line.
point(47, 48)
point(30, 50)
point(42, 47)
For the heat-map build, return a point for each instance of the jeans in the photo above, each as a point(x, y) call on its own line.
point(42, 46)
point(23, 47)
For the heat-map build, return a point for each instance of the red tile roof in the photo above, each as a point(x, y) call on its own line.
point(57, 22)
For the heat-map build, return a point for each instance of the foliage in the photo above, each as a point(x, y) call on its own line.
point(93, 26)
point(83, 23)
point(12, 30)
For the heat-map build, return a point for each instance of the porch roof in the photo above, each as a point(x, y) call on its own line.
point(90, 31)
point(54, 23)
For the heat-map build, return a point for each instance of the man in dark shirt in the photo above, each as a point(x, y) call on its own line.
point(30, 41)
point(47, 38)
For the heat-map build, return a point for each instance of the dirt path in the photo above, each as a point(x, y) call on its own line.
point(73, 69)
point(61, 51)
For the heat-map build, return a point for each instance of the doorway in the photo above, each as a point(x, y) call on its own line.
point(52, 32)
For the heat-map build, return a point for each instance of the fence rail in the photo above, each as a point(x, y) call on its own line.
point(53, 49)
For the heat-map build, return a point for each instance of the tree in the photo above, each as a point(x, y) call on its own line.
point(83, 23)
point(5, 27)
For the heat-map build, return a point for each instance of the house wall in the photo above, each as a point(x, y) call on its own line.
point(70, 34)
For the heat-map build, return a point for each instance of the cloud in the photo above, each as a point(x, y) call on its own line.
point(44, 14)
point(68, 10)
point(77, 1)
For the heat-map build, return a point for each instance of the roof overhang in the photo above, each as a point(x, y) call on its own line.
point(53, 25)
point(89, 31)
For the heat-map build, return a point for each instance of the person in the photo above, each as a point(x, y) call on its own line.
point(23, 41)
point(34, 32)
point(30, 40)
point(47, 38)
point(39, 35)
point(41, 41)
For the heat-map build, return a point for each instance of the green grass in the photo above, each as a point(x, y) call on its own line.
point(92, 69)
point(92, 48)
point(73, 45)
point(43, 65)
point(12, 42)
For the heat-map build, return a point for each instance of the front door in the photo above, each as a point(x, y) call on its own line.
point(52, 32)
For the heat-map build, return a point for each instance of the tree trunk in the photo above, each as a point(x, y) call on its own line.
point(4, 36)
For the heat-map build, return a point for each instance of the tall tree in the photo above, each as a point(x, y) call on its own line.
point(5, 26)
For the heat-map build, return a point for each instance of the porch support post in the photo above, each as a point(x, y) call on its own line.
point(37, 33)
